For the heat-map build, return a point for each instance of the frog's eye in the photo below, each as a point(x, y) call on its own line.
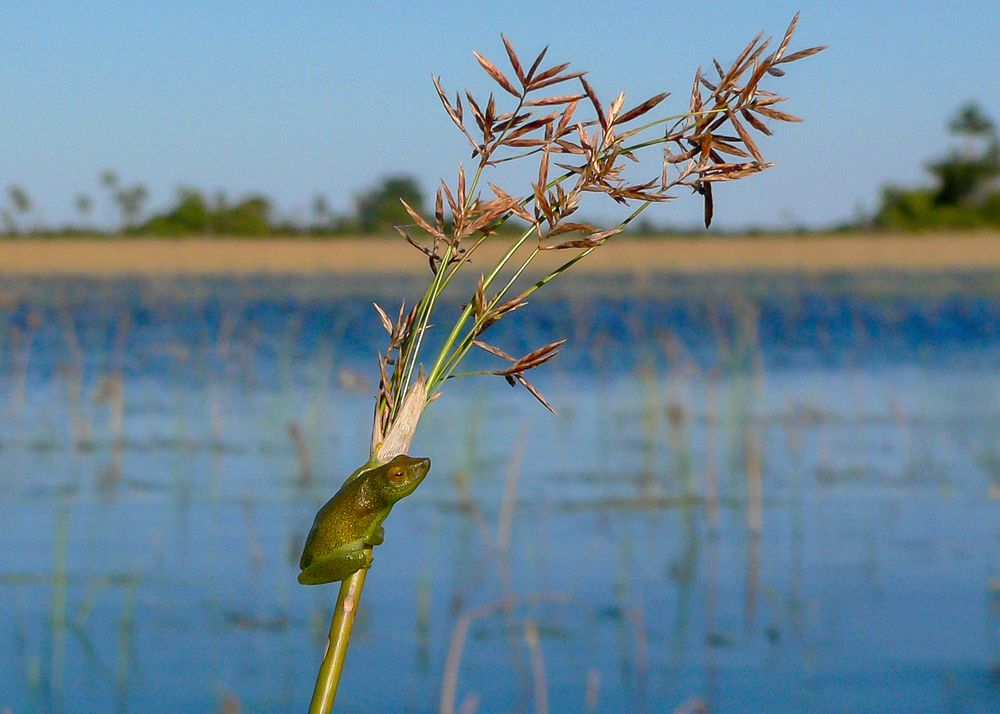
point(396, 475)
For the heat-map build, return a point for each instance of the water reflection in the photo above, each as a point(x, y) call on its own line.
point(766, 494)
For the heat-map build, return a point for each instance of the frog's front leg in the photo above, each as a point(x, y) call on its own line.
point(338, 566)
point(379, 537)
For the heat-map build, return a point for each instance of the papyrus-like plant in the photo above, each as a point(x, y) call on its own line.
point(580, 145)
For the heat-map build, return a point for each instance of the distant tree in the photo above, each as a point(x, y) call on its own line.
point(109, 179)
point(130, 203)
point(964, 176)
point(20, 199)
point(21, 202)
point(379, 207)
point(971, 123)
point(84, 205)
point(965, 194)
point(321, 211)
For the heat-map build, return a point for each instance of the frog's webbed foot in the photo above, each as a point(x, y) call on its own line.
point(379, 537)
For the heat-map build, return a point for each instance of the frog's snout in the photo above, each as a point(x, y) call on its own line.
point(422, 466)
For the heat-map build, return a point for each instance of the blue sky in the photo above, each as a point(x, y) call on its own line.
point(297, 98)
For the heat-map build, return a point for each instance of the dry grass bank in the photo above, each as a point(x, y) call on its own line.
point(379, 255)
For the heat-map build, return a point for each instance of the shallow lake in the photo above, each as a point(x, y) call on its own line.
point(759, 494)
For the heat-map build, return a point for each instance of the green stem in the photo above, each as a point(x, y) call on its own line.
point(408, 359)
point(336, 648)
point(408, 356)
point(433, 377)
point(477, 373)
point(583, 254)
point(451, 364)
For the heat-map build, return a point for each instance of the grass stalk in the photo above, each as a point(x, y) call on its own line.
point(341, 626)
point(699, 146)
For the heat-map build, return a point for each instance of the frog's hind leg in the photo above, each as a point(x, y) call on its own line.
point(338, 568)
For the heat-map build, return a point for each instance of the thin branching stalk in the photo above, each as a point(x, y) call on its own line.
point(709, 143)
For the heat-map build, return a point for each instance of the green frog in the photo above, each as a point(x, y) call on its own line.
point(349, 524)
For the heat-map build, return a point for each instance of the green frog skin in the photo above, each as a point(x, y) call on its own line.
point(350, 523)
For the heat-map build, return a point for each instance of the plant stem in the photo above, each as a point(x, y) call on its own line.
point(408, 356)
point(336, 647)
point(581, 255)
point(438, 284)
point(446, 371)
point(433, 377)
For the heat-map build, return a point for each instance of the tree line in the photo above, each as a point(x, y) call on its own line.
point(195, 212)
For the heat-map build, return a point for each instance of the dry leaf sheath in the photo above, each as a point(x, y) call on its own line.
point(553, 116)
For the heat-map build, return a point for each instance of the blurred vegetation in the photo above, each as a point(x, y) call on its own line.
point(194, 213)
point(966, 194)
point(379, 208)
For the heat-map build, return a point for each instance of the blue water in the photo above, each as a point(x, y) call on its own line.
point(759, 493)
